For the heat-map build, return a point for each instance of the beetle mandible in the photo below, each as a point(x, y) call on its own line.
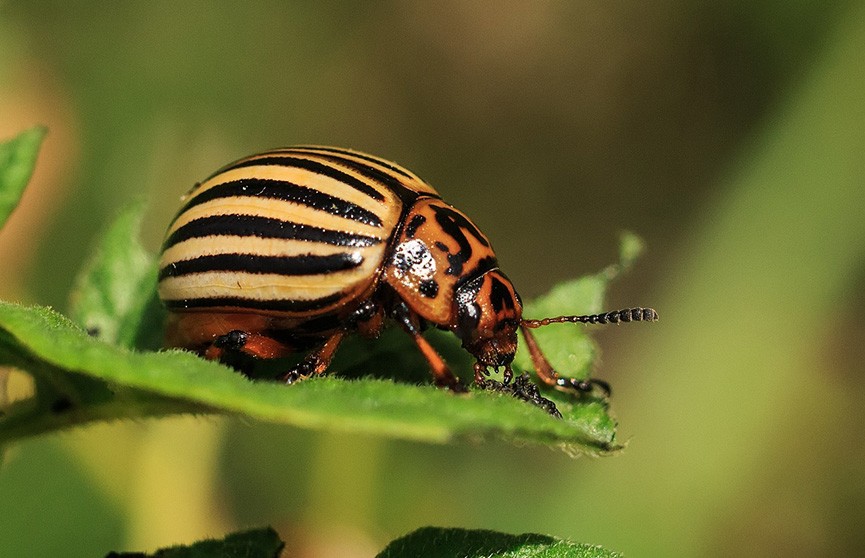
point(292, 249)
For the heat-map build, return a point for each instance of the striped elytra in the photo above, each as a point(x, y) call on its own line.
point(292, 249)
point(295, 231)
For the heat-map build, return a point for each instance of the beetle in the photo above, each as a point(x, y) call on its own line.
point(292, 249)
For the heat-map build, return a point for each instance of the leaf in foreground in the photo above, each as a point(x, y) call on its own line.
point(17, 161)
point(122, 383)
point(258, 543)
point(464, 543)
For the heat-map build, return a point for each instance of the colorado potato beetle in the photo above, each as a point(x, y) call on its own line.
point(292, 249)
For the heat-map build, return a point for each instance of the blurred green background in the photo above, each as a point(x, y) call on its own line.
point(730, 135)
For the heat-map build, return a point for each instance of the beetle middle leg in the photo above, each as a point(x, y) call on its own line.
point(316, 361)
point(550, 377)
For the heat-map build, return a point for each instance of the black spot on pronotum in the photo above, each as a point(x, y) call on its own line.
point(429, 288)
point(500, 295)
point(94, 331)
point(413, 225)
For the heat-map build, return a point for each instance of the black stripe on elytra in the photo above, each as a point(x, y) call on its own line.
point(278, 305)
point(306, 264)
point(387, 164)
point(313, 166)
point(265, 227)
point(403, 192)
point(286, 191)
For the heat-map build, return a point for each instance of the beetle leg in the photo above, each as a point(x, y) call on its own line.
point(253, 344)
point(368, 319)
point(480, 372)
point(507, 374)
point(442, 375)
point(240, 349)
point(550, 377)
point(317, 361)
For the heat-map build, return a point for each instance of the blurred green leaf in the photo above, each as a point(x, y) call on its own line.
point(46, 480)
point(17, 160)
point(114, 294)
point(631, 247)
point(464, 543)
point(259, 543)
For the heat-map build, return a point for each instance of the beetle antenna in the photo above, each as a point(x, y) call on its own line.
point(614, 317)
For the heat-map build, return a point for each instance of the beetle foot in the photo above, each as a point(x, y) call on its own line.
point(583, 386)
point(300, 372)
point(524, 389)
point(453, 384)
point(228, 349)
point(507, 374)
point(482, 372)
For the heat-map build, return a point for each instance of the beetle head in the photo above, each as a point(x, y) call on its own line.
point(488, 313)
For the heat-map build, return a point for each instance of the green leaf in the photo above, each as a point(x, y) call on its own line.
point(17, 160)
point(631, 247)
point(59, 353)
point(464, 543)
point(258, 543)
point(115, 293)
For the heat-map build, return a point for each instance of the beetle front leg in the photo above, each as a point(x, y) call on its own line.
point(442, 375)
point(549, 376)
